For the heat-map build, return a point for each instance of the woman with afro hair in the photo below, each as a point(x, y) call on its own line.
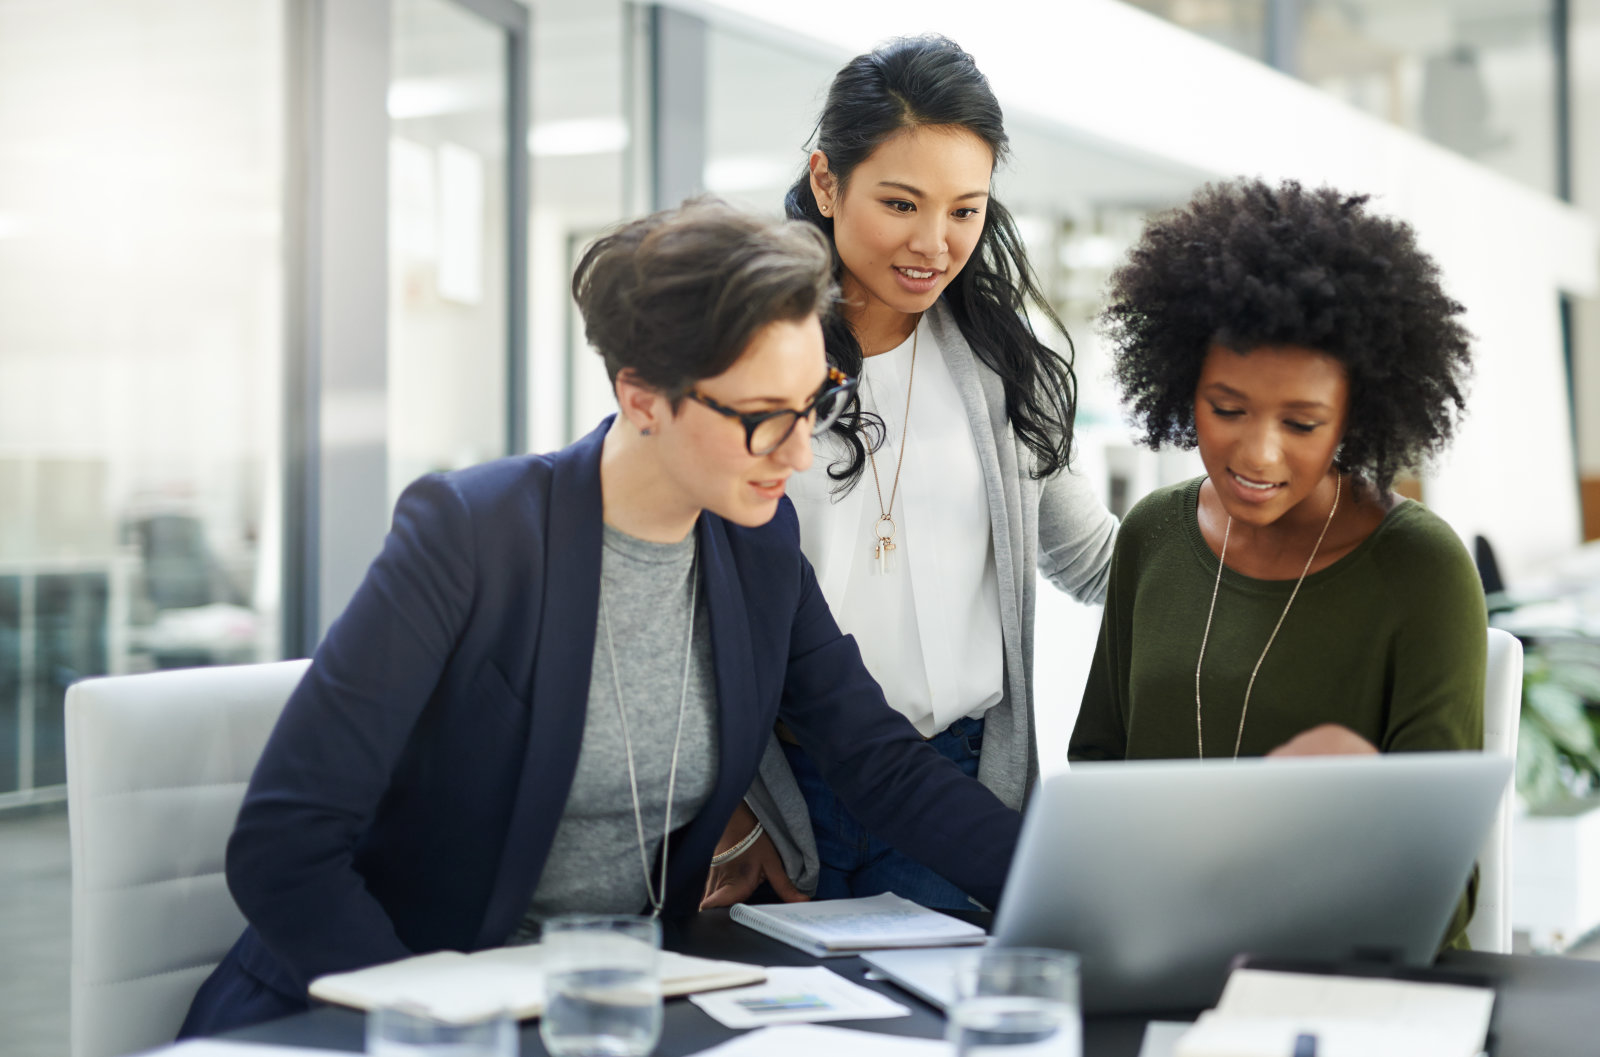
point(1288, 601)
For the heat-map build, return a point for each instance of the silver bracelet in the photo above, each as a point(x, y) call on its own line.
point(738, 849)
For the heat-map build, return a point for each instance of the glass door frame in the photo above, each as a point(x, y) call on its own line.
point(335, 499)
point(515, 21)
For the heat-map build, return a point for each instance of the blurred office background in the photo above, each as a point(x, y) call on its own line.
point(263, 262)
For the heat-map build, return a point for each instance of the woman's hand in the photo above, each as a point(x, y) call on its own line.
point(1328, 739)
point(737, 879)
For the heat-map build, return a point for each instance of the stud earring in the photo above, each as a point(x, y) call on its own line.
point(645, 432)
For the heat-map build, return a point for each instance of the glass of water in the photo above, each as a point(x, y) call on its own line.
point(602, 985)
point(408, 1031)
point(1016, 1001)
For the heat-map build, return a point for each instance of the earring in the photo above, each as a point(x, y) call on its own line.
point(645, 432)
point(823, 209)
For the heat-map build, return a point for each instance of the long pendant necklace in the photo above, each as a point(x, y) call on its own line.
point(657, 896)
point(883, 531)
point(1238, 739)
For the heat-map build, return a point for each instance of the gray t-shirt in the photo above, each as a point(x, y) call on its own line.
point(594, 862)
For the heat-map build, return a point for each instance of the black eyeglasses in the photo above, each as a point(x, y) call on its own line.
point(765, 431)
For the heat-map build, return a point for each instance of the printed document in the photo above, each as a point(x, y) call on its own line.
point(809, 1040)
point(1276, 1013)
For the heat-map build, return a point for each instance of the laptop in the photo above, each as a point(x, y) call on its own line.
point(1158, 873)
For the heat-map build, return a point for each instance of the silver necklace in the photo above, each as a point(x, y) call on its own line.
point(657, 896)
point(883, 530)
point(1238, 739)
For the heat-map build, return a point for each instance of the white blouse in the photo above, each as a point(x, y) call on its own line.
point(929, 628)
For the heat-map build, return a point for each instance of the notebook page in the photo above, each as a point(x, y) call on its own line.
point(883, 918)
point(808, 1040)
point(1219, 1036)
point(1456, 1015)
point(445, 984)
point(681, 974)
point(465, 987)
point(1259, 992)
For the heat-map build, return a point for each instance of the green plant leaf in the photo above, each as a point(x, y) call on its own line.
point(1541, 777)
point(1581, 679)
point(1562, 715)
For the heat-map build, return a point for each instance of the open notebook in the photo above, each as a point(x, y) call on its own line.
point(449, 985)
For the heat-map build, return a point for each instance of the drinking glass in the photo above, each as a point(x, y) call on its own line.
point(1016, 1001)
point(407, 1031)
point(602, 985)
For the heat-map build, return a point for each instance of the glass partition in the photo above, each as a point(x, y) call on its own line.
point(448, 230)
point(589, 88)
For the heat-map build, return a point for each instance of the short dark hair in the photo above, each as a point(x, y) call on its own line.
point(676, 296)
point(1246, 264)
point(928, 81)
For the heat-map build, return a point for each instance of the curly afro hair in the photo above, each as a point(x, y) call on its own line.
point(1246, 264)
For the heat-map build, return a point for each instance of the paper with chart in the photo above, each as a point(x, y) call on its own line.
point(797, 996)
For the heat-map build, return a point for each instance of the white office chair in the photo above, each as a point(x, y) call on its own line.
point(156, 767)
point(1490, 928)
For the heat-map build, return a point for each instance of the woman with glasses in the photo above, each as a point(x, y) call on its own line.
point(766, 431)
point(560, 674)
point(944, 490)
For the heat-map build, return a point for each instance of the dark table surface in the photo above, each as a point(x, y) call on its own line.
point(1546, 1006)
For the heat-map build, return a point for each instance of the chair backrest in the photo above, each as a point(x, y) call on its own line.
point(1490, 929)
point(156, 768)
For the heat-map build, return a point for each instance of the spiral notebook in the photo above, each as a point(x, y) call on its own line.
point(829, 928)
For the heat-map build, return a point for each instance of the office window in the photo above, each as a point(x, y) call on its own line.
point(140, 349)
point(1237, 24)
point(1478, 78)
point(447, 240)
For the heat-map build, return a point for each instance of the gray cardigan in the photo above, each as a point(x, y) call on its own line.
point(1058, 525)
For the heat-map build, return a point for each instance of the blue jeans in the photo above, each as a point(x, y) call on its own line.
point(855, 863)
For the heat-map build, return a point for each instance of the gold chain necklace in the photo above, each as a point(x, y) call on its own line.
point(883, 531)
point(1200, 741)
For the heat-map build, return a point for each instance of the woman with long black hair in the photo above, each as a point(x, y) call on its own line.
point(945, 484)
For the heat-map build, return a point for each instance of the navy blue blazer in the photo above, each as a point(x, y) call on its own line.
point(408, 796)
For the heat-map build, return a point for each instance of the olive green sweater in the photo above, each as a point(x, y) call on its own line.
point(1388, 641)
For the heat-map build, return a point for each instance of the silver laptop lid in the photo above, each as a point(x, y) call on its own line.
point(1157, 873)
